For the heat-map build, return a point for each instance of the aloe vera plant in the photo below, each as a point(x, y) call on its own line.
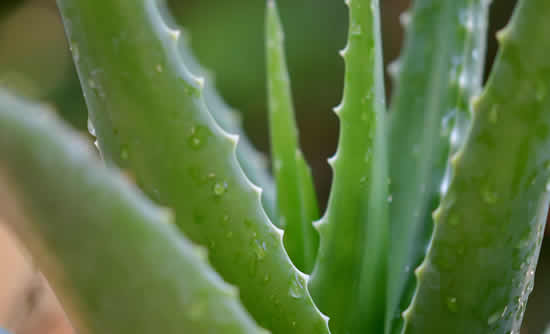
point(435, 217)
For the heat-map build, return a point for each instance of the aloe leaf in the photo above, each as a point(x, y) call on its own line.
point(345, 228)
point(300, 239)
point(253, 162)
point(479, 269)
point(116, 260)
point(308, 195)
point(441, 72)
point(150, 117)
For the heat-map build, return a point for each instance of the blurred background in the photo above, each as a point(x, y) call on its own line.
point(227, 37)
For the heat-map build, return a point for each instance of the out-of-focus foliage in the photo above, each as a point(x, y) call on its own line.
point(227, 37)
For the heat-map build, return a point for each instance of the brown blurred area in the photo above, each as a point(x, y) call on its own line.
point(227, 36)
point(27, 304)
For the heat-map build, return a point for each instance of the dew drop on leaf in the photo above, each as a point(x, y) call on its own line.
point(198, 137)
point(220, 188)
point(356, 30)
point(405, 18)
point(296, 290)
point(75, 51)
point(259, 249)
point(452, 304)
point(91, 128)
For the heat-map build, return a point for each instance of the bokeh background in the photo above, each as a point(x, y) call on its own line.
point(227, 37)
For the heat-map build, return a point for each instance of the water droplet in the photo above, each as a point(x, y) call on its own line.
point(548, 186)
point(124, 153)
point(455, 136)
point(200, 82)
point(266, 278)
point(75, 51)
point(463, 79)
point(198, 137)
point(405, 18)
point(92, 84)
point(445, 182)
point(467, 20)
point(226, 219)
point(259, 249)
point(356, 30)
point(220, 188)
point(394, 68)
point(452, 304)
point(390, 198)
point(475, 54)
point(296, 290)
point(195, 142)
point(91, 128)
point(159, 68)
point(96, 144)
point(489, 196)
point(174, 34)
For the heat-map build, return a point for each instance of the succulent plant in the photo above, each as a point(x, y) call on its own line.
point(435, 217)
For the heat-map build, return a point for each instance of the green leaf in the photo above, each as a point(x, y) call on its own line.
point(151, 118)
point(295, 193)
point(253, 162)
point(479, 269)
point(353, 231)
point(116, 261)
point(442, 69)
